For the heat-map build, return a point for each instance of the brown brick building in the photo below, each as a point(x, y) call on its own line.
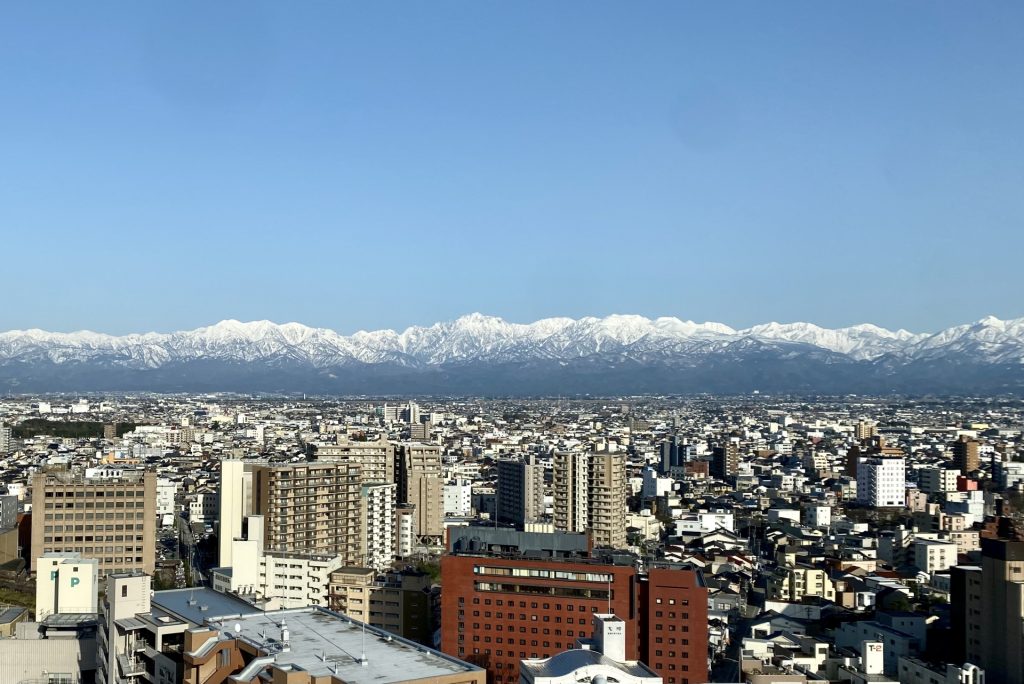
point(496, 611)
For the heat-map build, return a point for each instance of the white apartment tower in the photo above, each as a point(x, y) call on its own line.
point(379, 533)
point(881, 482)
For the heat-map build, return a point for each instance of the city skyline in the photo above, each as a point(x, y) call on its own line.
point(360, 167)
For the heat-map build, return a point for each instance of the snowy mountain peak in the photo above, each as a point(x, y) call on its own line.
point(479, 338)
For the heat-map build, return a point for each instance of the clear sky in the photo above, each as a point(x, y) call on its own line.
point(365, 165)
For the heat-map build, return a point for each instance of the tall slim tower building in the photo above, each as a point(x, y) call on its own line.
point(590, 495)
point(378, 524)
point(671, 455)
point(570, 474)
point(5, 439)
point(965, 455)
point(725, 460)
point(520, 492)
point(421, 484)
point(232, 508)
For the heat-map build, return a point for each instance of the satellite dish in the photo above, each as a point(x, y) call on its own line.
point(238, 627)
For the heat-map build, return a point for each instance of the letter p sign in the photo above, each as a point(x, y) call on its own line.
point(53, 575)
point(75, 581)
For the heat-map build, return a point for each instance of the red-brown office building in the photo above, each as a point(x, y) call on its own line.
point(496, 611)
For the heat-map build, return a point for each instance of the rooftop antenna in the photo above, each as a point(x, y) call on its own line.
point(362, 656)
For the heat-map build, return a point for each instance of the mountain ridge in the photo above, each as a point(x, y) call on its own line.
point(478, 351)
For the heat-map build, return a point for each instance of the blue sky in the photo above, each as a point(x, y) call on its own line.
point(357, 166)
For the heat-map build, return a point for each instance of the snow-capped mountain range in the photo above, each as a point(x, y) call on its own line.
point(35, 357)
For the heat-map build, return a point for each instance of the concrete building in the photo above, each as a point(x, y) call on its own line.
point(235, 492)
point(864, 430)
point(166, 497)
point(965, 455)
point(989, 604)
point(47, 653)
point(378, 524)
point(601, 658)
point(590, 495)
point(933, 555)
point(458, 499)
point(111, 519)
point(520, 495)
point(491, 606)
point(796, 582)
point(8, 511)
point(314, 646)
point(401, 602)
point(405, 531)
point(725, 460)
point(143, 636)
point(915, 671)
point(6, 439)
point(66, 583)
point(376, 459)
point(818, 516)
point(313, 508)
point(421, 484)
point(881, 482)
point(204, 507)
point(937, 480)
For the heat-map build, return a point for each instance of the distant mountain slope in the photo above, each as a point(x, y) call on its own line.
point(479, 354)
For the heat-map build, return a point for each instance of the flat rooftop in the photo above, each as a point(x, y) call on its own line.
point(198, 604)
point(323, 642)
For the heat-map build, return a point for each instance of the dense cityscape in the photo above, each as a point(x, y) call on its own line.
point(745, 539)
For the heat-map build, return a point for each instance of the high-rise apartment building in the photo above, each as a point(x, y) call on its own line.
point(864, 430)
point(497, 611)
point(5, 439)
point(376, 459)
point(725, 460)
point(569, 479)
point(312, 508)
point(111, 519)
point(590, 495)
point(881, 482)
point(988, 610)
point(965, 455)
point(377, 511)
point(671, 455)
point(406, 534)
point(520, 495)
point(421, 484)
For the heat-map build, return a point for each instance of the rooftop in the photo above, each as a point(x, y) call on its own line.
point(567, 662)
point(198, 604)
point(323, 642)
